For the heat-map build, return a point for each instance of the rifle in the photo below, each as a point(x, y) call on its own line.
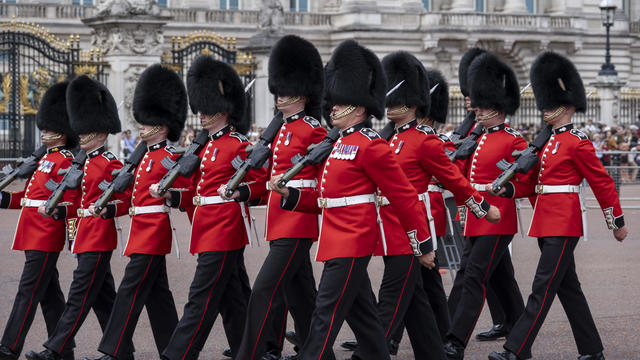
point(25, 169)
point(467, 146)
point(525, 160)
point(185, 165)
point(316, 154)
point(71, 180)
point(123, 178)
point(258, 154)
point(463, 129)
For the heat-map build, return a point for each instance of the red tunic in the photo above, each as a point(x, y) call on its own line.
point(567, 159)
point(495, 144)
point(295, 136)
point(420, 153)
point(35, 232)
point(360, 163)
point(438, 208)
point(220, 227)
point(150, 233)
point(96, 233)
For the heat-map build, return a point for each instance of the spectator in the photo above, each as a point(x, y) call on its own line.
point(127, 143)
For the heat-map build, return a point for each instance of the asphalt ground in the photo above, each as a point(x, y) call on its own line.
point(607, 270)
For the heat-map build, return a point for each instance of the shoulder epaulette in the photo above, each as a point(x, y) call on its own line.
point(312, 121)
point(426, 129)
point(444, 138)
point(370, 133)
point(239, 136)
point(171, 149)
point(109, 156)
point(66, 153)
point(579, 134)
point(512, 131)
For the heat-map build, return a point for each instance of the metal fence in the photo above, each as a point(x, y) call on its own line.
point(629, 106)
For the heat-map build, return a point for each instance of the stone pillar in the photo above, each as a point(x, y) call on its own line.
point(515, 6)
point(609, 93)
point(260, 47)
point(462, 5)
point(130, 45)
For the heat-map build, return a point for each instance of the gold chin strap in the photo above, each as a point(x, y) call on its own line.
point(343, 113)
point(88, 138)
point(488, 116)
point(154, 130)
point(556, 113)
point(292, 100)
point(51, 137)
point(212, 120)
point(401, 110)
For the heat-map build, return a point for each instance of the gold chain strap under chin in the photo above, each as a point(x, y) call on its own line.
point(292, 100)
point(343, 113)
point(487, 116)
point(399, 111)
point(51, 137)
point(88, 138)
point(212, 120)
point(556, 113)
point(151, 132)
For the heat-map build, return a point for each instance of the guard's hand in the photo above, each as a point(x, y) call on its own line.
point(92, 211)
point(493, 215)
point(621, 233)
point(428, 260)
point(489, 189)
point(273, 186)
point(153, 191)
point(222, 191)
point(41, 211)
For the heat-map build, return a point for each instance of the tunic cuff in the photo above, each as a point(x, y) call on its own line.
point(613, 222)
point(111, 212)
point(5, 199)
point(245, 193)
point(479, 209)
point(419, 247)
point(291, 202)
point(510, 190)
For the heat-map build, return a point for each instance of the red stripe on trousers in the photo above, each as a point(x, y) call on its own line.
point(30, 301)
point(336, 308)
point(400, 298)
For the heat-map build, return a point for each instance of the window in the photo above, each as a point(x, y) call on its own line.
point(531, 6)
point(9, 1)
point(163, 3)
point(82, 2)
point(229, 4)
point(299, 5)
point(479, 5)
point(426, 4)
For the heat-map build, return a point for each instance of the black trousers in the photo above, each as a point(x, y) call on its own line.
point(38, 285)
point(493, 295)
point(484, 265)
point(211, 286)
point(402, 302)
point(556, 274)
point(263, 326)
point(144, 284)
point(233, 311)
point(92, 288)
point(345, 293)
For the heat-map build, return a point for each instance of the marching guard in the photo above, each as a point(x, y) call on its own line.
point(41, 238)
point(568, 158)
point(494, 94)
point(220, 228)
point(296, 80)
point(360, 163)
point(93, 115)
point(160, 107)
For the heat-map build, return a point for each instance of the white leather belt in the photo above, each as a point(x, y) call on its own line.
point(139, 210)
point(209, 200)
point(326, 203)
point(32, 203)
point(302, 183)
point(84, 213)
point(480, 187)
point(557, 189)
point(435, 188)
point(383, 201)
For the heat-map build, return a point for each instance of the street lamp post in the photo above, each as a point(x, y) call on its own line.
point(607, 10)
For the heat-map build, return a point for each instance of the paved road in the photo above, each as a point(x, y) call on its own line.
point(608, 272)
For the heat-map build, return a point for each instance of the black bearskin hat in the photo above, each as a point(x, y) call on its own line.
point(556, 82)
point(161, 99)
point(52, 114)
point(354, 76)
point(401, 65)
point(493, 84)
point(295, 69)
point(439, 97)
point(91, 107)
point(463, 68)
point(215, 87)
